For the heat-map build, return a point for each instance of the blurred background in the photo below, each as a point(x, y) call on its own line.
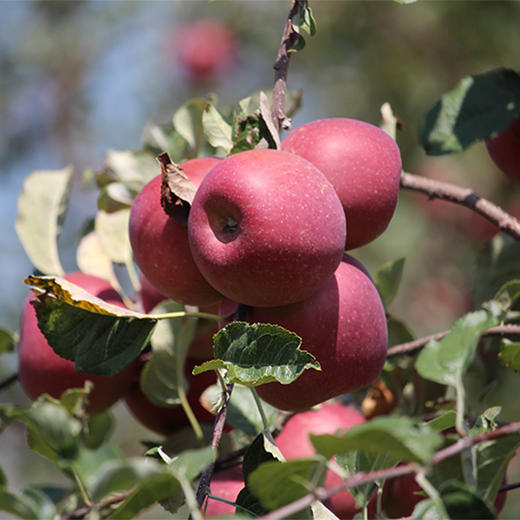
point(83, 77)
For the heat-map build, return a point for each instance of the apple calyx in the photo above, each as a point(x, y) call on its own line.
point(177, 190)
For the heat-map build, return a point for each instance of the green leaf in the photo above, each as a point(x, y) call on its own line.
point(356, 461)
point(163, 138)
point(398, 331)
point(461, 502)
point(170, 343)
point(98, 428)
point(92, 259)
point(492, 459)
point(101, 338)
point(217, 130)
point(510, 355)
point(133, 168)
point(188, 122)
point(478, 107)
point(258, 353)
point(497, 264)
point(117, 195)
point(279, 483)
point(242, 412)
point(42, 206)
point(255, 455)
point(51, 430)
point(427, 509)
point(447, 360)
point(443, 422)
point(7, 341)
point(387, 280)
point(112, 231)
point(248, 501)
point(191, 463)
point(30, 504)
point(400, 437)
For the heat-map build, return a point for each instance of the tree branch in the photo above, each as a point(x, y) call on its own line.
point(281, 67)
point(411, 347)
point(8, 381)
point(398, 471)
point(465, 197)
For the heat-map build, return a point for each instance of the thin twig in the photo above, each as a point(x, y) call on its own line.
point(465, 197)
point(84, 511)
point(218, 430)
point(281, 67)
point(397, 471)
point(411, 347)
point(8, 381)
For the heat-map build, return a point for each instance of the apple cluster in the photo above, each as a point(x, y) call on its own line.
point(269, 230)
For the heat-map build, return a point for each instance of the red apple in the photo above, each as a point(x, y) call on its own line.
point(226, 483)
point(41, 370)
point(294, 442)
point(266, 228)
point(160, 243)
point(344, 326)
point(504, 150)
point(167, 419)
point(362, 162)
point(205, 48)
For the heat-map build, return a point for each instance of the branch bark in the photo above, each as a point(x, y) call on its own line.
point(465, 197)
point(281, 67)
point(411, 347)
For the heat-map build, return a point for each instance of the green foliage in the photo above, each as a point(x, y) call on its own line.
point(7, 341)
point(257, 354)
point(478, 108)
point(399, 437)
point(42, 206)
point(387, 280)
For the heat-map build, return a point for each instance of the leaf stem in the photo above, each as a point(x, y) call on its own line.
point(186, 314)
point(191, 500)
point(261, 411)
point(81, 488)
point(186, 405)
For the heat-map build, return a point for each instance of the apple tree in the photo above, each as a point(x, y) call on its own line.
point(220, 296)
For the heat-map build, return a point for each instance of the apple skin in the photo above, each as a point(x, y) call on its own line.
point(362, 162)
point(41, 370)
point(294, 442)
point(165, 420)
point(205, 48)
point(160, 243)
point(344, 326)
point(266, 228)
point(504, 150)
point(226, 483)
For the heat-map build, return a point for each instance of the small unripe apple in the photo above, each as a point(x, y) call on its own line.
point(160, 243)
point(226, 483)
point(294, 442)
point(266, 228)
point(41, 370)
point(168, 419)
point(344, 326)
point(362, 162)
point(504, 149)
point(205, 48)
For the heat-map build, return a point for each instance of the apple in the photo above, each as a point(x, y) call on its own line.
point(226, 483)
point(41, 370)
point(504, 150)
point(266, 228)
point(160, 243)
point(293, 441)
point(205, 48)
point(362, 162)
point(167, 419)
point(344, 326)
